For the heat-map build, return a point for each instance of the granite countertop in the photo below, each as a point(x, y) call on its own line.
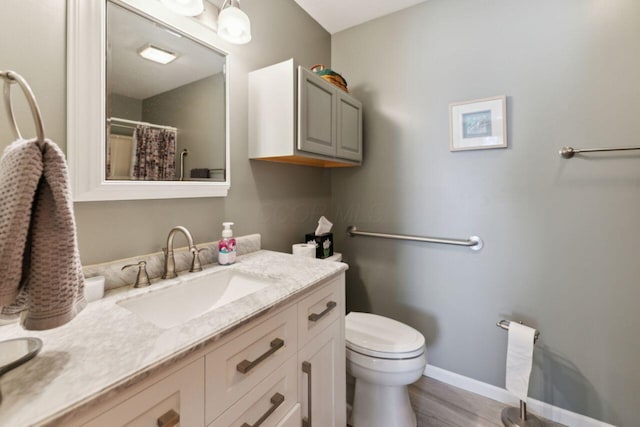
point(107, 348)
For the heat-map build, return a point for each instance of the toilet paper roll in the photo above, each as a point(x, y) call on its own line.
point(304, 249)
point(519, 359)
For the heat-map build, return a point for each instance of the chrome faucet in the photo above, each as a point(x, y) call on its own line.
point(169, 260)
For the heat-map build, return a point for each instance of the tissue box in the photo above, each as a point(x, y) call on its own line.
point(323, 242)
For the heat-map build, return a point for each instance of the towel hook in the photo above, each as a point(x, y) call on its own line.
point(11, 77)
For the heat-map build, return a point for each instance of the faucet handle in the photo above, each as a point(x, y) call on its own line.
point(142, 279)
point(196, 265)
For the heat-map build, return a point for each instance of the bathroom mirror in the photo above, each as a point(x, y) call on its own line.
point(138, 128)
point(165, 103)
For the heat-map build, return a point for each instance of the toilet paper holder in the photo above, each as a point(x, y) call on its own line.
point(504, 324)
point(514, 417)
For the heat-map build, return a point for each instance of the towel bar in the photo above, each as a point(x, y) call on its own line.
point(569, 152)
point(11, 77)
point(474, 242)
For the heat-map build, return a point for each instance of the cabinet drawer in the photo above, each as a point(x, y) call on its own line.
point(270, 401)
point(292, 419)
point(320, 309)
point(236, 367)
point(182, 392)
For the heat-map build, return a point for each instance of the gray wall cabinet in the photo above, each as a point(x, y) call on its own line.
point(298, 117)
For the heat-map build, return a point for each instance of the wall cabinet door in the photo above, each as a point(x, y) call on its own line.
point(322, 379)
point(349, 127)
point(316, 114)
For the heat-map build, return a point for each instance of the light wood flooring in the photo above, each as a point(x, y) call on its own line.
point(440, 405)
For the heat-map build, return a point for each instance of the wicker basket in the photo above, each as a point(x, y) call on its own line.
point(330, 76)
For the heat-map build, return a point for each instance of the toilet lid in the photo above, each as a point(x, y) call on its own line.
point(379, 336)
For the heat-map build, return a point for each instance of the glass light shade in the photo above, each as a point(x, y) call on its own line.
point(184, 7)
point(234, 25)
point(156, 54)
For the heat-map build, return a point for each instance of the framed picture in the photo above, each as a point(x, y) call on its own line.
point(479, 124)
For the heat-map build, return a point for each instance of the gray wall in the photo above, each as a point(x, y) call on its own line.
point(125, 107)
point(39, 56)
point(279, 201)
point(197, 110)
point(560, 235)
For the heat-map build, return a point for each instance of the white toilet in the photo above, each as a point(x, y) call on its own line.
point(384, 356)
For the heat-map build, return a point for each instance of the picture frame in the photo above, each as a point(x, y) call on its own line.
point(479, 124)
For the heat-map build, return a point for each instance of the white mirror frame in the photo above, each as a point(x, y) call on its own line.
point(86, 105)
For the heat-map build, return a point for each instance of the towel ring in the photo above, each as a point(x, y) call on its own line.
point(11, 77)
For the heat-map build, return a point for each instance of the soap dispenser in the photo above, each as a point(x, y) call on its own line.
point(227, 246)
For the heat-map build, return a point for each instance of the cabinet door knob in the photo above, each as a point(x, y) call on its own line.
point(306, 368)
point(314, 317)
point(247, 365)
point(276, 400)
point(169, 419)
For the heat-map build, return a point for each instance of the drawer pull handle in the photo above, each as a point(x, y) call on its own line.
point(314, 317)
point(246, 365)
point(170, 419)
point(276, 400)
point(306, 368)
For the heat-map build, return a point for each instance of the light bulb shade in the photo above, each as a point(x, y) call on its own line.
point(234, 25)
point(184, 7)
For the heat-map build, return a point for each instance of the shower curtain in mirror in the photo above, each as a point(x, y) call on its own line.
point(154, 154)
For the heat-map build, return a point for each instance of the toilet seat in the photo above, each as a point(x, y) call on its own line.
point(381, 337)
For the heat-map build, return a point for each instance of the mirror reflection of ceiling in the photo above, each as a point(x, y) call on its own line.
point(128, 32)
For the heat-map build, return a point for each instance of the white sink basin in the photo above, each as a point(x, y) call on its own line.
point(192, 298)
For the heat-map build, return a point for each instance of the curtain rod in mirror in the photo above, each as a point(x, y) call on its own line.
point(134, 122)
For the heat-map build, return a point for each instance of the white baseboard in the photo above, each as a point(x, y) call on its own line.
point(537, 407)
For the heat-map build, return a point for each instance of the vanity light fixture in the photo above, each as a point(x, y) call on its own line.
point(184, 7)
point(156, 54)
point(233, 24)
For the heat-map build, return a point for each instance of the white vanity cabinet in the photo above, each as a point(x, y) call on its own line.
point(297, 117)
point(284, 369)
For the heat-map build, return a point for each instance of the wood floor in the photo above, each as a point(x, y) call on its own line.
point(440, 405)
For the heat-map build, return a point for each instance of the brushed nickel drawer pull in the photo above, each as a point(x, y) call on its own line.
point(306, 368)
point(276, 400)
point(314, 317)
point(169, 419)
point(247, 365)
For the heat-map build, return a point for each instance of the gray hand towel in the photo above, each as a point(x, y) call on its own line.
point(40, 271)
